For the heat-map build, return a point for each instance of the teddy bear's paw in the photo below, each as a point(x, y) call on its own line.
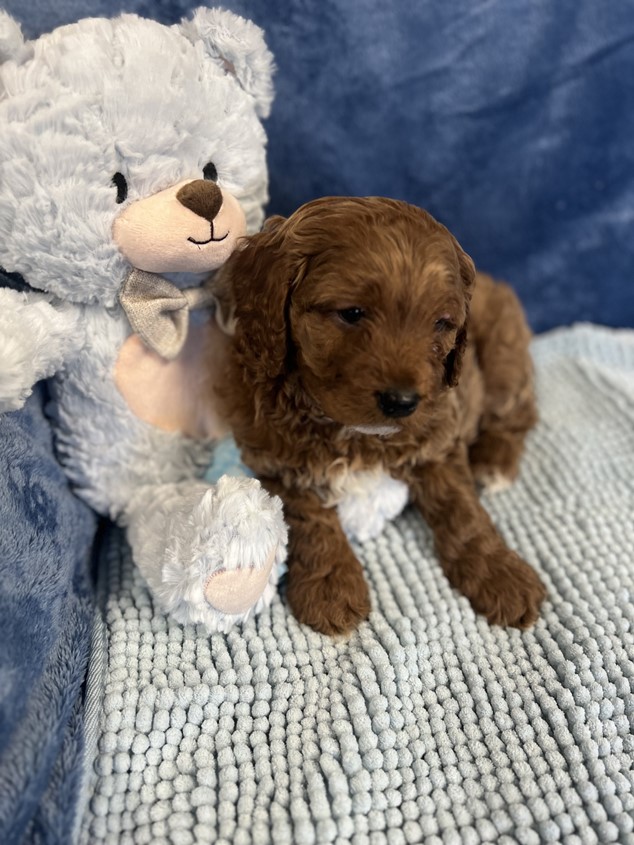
point(225, 559)
point(35, 338)
point(370, 500)
point(235, 591)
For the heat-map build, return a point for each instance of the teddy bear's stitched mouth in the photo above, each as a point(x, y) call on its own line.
point(209, 240)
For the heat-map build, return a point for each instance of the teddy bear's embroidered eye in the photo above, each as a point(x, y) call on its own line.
point(119, 181)
point(210, 172)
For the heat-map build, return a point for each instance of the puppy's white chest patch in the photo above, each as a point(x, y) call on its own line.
point(346, 482)
point(365, 499)
point(378, 430)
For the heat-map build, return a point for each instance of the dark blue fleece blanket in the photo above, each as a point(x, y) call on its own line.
point(46, 613)
point(510, 120)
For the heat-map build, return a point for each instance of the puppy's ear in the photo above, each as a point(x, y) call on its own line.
point(467, 269)
point(257, 280)
point(225, 305)
point(453, 361)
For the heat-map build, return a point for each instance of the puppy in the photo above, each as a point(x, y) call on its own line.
point(364, 339)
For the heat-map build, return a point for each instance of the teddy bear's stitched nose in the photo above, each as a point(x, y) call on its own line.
point(202, 197)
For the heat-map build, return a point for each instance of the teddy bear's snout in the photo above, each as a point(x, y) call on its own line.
point(191, 227)
point(202, 197)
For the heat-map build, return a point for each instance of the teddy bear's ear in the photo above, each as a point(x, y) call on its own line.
point(238, 46)
point(12, 43)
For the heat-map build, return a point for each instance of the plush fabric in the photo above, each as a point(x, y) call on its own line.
point(92, 112)
point(428, 725)
point(46, 617)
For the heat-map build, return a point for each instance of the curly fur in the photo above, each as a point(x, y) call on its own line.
point(302, 385)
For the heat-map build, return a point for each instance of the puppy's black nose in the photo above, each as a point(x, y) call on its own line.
point(398, 403)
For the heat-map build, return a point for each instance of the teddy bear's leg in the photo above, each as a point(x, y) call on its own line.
point(371, 499)
point(210, 553)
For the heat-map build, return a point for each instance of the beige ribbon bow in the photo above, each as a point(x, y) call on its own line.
point(158, 311)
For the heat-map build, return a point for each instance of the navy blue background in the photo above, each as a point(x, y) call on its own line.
point(512, 121)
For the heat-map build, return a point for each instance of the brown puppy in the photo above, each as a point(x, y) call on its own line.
point(364, 338)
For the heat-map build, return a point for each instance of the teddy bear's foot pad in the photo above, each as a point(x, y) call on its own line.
point(210, 553)
point(236, 591)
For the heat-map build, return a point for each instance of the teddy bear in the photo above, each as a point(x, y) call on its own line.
point(132, 162)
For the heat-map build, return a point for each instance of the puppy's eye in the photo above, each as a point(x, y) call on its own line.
point(119, 181)
point(444, 324)
point(210, 172)
point(351, 315)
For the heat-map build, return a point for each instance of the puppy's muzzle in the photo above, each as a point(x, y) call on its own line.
point(397, 403)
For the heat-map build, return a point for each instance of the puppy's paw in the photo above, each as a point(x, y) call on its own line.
point(491, 480)
point(334, 605)
point(494, 460)
point(510, 593)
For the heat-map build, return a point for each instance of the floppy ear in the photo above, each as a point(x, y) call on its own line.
point(453, 361)
point(237, 45)
point(223, 286)
point(257, 281)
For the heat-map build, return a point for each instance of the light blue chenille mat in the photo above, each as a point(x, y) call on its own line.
point(428, 726)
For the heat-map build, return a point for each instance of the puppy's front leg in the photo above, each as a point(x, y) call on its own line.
point(326, 586)
point(476, 560)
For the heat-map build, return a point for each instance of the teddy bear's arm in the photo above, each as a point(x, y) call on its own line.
point(36, 337)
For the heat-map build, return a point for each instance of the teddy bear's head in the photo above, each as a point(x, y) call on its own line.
point(126, 143)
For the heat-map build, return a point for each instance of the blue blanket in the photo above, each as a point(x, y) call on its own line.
point(507, 120)
point(46, 617)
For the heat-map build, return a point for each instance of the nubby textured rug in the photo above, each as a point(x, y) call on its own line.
point(427, 726)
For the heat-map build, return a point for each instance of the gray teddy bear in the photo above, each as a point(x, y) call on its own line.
point(132, 161)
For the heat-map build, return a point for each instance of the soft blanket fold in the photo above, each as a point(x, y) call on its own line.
point(428, 725)
point(46, 617)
